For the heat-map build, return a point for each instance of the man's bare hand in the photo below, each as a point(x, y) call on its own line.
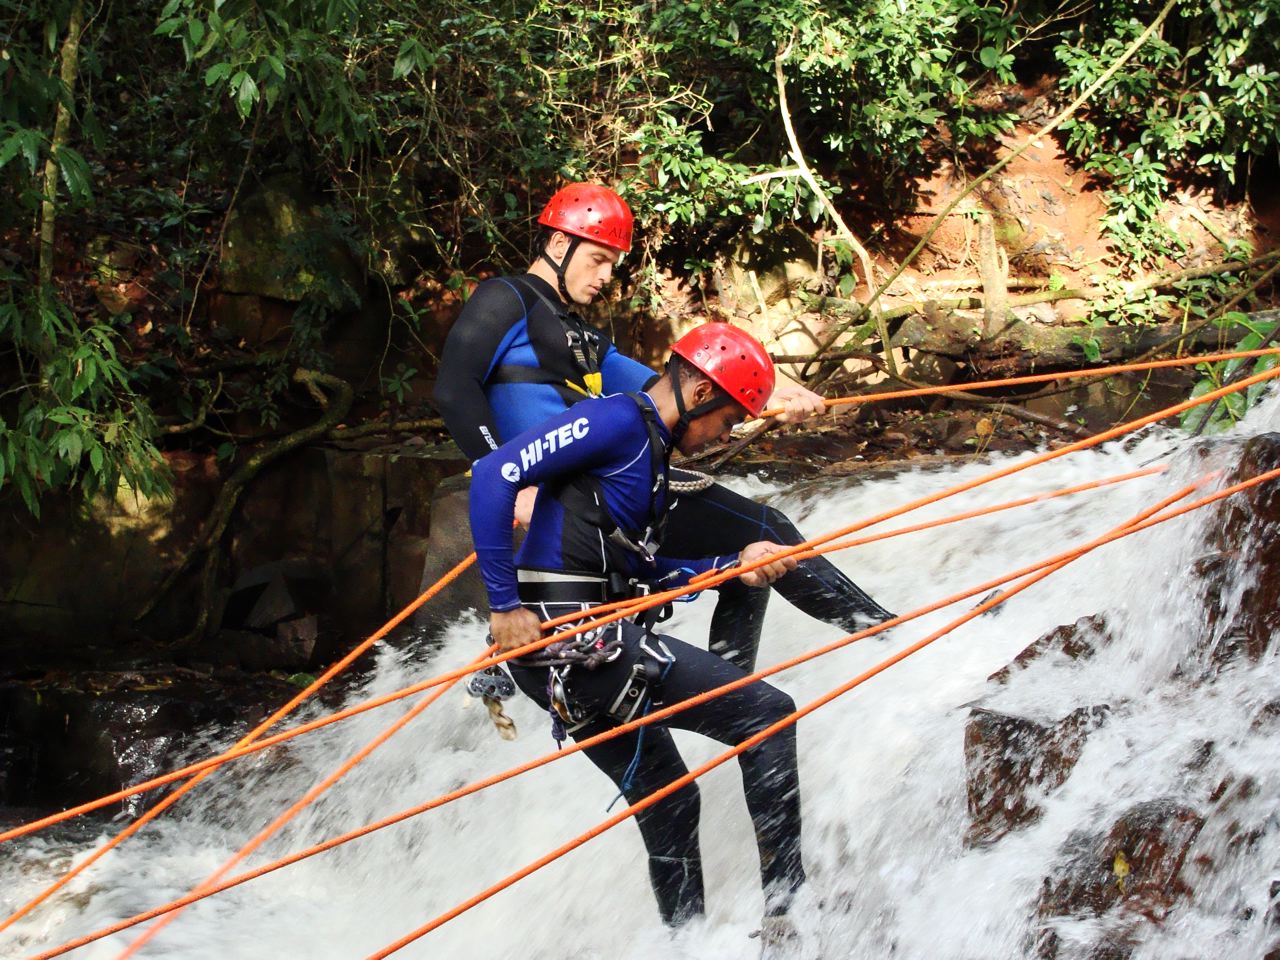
point(514, 629)
point(524, 505)
point(763, 576)
point(797, 403)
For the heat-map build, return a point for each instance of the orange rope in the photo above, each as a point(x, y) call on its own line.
point(652, 600)
point(699, 582)
point(662, 714)
point(1141, 522)
point(399, 724)
point(1040, 378)
point(208, 767)
point(599, 611)
point(1038, 459)
point(272, 828)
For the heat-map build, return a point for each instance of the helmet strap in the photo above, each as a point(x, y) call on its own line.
point(718, 400)
point(562, 266)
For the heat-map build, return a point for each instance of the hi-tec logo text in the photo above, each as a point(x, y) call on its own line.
point(549, 442)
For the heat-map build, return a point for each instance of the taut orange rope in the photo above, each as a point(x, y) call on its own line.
point(244, 742)
point(1040, 378)
point(657, 716)
point(1141, 522)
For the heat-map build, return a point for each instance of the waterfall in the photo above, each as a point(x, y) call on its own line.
point(882, 768)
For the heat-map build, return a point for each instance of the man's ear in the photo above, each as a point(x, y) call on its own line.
point(703, 391)
point(557, 245)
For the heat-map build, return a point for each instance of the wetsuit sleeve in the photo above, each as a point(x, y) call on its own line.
point(621, 374)
point(470, 351)
point(585, 436)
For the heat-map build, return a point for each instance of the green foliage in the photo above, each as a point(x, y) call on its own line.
point(1201, 96)
point(74, 421)
point(434, 134)
point(400, 382)
point(32, 90)
point(1232, 407)
point(871, 81)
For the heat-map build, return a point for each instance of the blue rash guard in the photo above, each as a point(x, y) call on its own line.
point(605, 438)
point(499, 330)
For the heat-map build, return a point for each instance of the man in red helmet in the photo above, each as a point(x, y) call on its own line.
point(595, 535)
point(519, 354)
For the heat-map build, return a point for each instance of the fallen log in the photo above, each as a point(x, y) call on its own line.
point(1019, 345)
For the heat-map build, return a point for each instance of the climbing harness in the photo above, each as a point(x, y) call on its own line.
point(575, 375)
point(594, 648)
point(640, 694)
point(643, 688)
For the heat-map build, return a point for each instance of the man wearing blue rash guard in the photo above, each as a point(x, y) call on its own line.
point(518, 355)
point(602, 472)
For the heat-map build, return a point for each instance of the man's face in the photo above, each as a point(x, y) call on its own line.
point(590, 267)
point(713, 427)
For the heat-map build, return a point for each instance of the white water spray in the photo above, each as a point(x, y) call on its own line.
point(882, 773)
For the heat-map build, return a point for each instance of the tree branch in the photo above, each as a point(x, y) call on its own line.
point(215, 524)
point(69, 71)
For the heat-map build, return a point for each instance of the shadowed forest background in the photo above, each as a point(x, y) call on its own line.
point(237, 231)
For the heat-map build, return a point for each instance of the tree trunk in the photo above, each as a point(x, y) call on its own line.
point(1019, 346)
point(70, 57)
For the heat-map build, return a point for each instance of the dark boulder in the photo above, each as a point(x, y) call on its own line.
point(1009, 759)
point(1126, 877)
point(69, 738)
point(1075, 641)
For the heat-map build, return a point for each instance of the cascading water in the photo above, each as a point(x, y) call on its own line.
point(883, 773)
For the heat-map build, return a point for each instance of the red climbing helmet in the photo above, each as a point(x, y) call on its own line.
point(592, 212)
point(734, 360)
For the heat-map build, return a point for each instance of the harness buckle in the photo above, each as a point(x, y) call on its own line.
point(643, 688)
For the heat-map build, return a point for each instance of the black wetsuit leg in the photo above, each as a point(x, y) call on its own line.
point(669, 828)
point(719, 521)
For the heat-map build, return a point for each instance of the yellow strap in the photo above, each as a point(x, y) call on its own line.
point(595, 383)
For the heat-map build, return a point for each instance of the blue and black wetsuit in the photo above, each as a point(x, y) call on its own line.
point(516, 356)
point(610, 455)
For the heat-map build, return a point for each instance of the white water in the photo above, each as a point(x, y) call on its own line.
point(882, 774)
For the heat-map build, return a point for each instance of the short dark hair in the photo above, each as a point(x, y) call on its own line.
point(686, 372)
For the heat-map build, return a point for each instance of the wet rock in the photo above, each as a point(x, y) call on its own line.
point(1248, 538)
point(1010, 760)
point(83, 737)
point(249, 318)
point(1125, 877)
point(256, 652)
point(1076, 641)
point(448, 545)
point(283, 242)
point(1273, 921)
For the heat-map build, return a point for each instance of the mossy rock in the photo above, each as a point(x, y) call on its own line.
point(282, 242)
